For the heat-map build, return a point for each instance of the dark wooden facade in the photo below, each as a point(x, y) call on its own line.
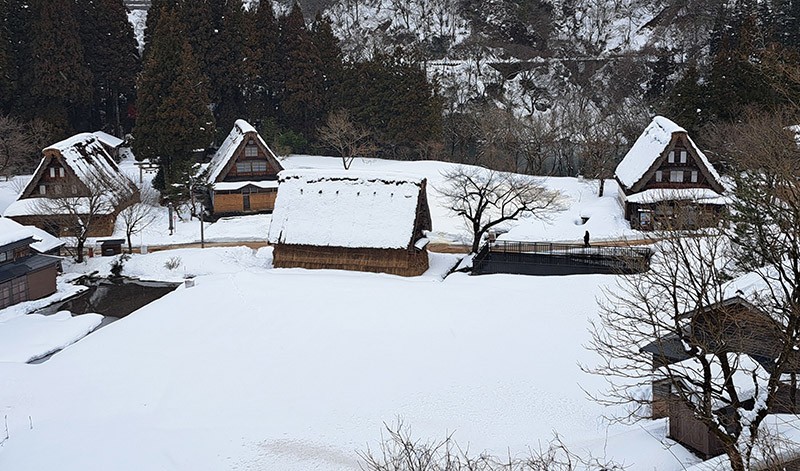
point(244, 158)
point(677, 167)
point(24, 275)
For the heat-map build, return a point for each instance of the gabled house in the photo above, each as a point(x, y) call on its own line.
point(75, 180)
point(24, 274)
point(666, 181)
point(750, 339)
point(349, 220)
point(243, 174)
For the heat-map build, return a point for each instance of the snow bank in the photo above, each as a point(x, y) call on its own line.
point(27, 338)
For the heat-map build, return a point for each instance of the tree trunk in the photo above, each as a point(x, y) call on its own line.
point(602, 184)
point(735, 458)
point(130, 246)
point(79, 255)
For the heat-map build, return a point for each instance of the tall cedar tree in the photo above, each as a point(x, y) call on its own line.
point(158, 72)
point(8, 67)
point(187, 121)
point(17, 18)
point(229, 75)
point(198, 17)
point(330, 55)
point(301, 103)
point(264, 38)
point(61, 81)
point(113, 58)
point(153, 17)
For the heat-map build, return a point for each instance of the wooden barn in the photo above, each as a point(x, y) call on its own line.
point(76, 179)
point(732, 327)
point(24, 274)
point(243, 174)
point(350, 220)
point(667, 182)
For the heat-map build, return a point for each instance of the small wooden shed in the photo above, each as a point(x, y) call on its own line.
point(667, 181)
point(349, 220)
point(24, 274)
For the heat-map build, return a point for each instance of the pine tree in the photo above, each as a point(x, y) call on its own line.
point(153, 17)
point(264, 36)
point(8, 67)
point(229, 75)
point(112, 56)
point(302, 81)
point(158, 74)
point(198, 17)
point(331, 60)
point(17, 18)
point(61, 82)
point(687, 101)
point(186, 120)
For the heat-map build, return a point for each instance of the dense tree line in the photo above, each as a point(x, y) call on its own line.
point(69, 63)
point(279, 72)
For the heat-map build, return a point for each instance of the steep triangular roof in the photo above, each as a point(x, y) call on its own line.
point(349, 209)
point(224, 157)
point(651, 148)
point(88, 160)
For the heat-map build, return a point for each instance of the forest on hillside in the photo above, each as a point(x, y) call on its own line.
point(537, 86)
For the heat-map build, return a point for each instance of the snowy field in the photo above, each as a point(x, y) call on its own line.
point(290, 369)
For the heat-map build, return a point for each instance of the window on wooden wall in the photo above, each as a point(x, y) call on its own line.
point(259, 166)
point(255, 166)
point(694, 176)
point(676, 176)
point(61, 172)
point(3, 256)
point(671, 157)
point(5, 294)
point(19, 289)
point(251, 149)
point(659, 175)
point(683, 156)
point(52, 172)
point(42, 189)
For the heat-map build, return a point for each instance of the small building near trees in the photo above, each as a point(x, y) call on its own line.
point(349, 220)
point(24, 274)
point(77, 183)
point(666, 181)
point(242, 176)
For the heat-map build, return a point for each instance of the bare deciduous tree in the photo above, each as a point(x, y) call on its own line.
point(348, 138)
point(139, 216)
point(486, 198)
point(21, 144)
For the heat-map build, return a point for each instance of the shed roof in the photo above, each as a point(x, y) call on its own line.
point(11, 231)
point(649, 147)
point(229, 146)
point(107, 139)
point(346, 209)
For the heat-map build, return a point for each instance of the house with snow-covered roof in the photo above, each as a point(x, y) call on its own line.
point(667, 181)
point(76, 178)
point(24, 274)
point(111, 143)
point(243, 174)
point(349, 220)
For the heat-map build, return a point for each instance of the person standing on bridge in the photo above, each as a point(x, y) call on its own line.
point(586, 239)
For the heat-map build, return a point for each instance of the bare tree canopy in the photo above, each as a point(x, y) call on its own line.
point(350, 140)
point(21, 144)
point(487, 198)
point(724, 352)
point(139, 216)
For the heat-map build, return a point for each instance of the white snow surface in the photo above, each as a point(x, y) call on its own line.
point(28, 338)
point(254, 368)
point(698, 195)
point(107, 139)
point(11, 231)
point(649, 147)
point(345, 209)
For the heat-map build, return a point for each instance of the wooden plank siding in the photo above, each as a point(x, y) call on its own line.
point(233, 203)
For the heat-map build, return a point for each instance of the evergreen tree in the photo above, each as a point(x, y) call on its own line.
point(264, 37)
point(198, 17)
point(331, 60)
point(159, 72)
point(61, 83)
point(303, 92)
point(231, 71)
point(16, 20)
point(686, 103)
point(153, 17)
point(112, 56)
point(8, 67)
point(186, 120)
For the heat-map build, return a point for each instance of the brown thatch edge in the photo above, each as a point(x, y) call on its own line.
point(401, 262)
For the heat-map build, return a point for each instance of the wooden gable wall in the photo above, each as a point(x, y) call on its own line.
point(55, 178)
point(259, 164)
point(678, 166)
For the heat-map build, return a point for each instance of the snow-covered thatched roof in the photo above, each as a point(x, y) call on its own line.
point(696, 195)
point(107, 139)
point(346, 209)
point(12, 231)
point(649, 147)
point(227, 150)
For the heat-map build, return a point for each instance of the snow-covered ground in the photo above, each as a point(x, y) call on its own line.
point(290, 369)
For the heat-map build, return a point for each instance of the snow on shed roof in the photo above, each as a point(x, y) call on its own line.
point(649, 147)
point(107, 139)
point(12, 231)
point(345, 209)
point(229, 146)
